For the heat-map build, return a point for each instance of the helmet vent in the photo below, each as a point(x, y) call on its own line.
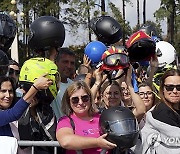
point(158, 52)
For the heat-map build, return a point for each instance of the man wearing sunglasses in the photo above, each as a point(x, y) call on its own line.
point(164, 119)
point(14, 70)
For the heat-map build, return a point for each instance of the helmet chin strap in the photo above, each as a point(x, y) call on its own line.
point(111, 74)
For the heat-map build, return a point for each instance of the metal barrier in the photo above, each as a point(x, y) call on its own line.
point(54, 144)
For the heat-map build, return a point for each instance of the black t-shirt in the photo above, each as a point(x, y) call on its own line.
point(166, 115)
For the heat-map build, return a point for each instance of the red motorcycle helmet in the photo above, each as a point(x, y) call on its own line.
point(114, 59)
point(140, 47)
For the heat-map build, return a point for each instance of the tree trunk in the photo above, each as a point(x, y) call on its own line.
point(124, 18)
point(102, 7)
point(89, 29)
point(170, 23)
point(138, 18)
point(144, 12)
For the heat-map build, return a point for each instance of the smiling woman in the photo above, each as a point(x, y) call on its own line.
point(6, 93)
point(78, 105)
point(10, 110)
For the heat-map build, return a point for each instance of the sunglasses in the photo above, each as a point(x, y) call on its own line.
point(170, 87)
point(13, 71)
point(117, 58)
point(75, 100)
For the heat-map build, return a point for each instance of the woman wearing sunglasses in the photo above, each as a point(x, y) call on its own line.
point(161, 132)
point(78, 105)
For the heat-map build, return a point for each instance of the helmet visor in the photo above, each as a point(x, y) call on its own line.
point(127, 126)
point(116, 59)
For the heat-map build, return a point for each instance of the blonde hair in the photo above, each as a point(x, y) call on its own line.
point(66, 108)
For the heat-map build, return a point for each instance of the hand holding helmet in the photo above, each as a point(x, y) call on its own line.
point(94, 51)
point(34, 68)
point(42, 82)
point(121, 126)
point(104, 144)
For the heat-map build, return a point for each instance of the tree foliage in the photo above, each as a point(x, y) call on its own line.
point(170, 10)
point(118, 16)
point(77, 13)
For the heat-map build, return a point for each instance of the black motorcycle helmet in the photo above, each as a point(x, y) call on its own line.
point(107, 29)
point(121, 126)
point(4, 62)
point(140, 47)
point(7, 31)
point(149, 29)
point(46, 32)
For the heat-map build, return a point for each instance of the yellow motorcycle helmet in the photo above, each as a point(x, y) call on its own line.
point(159, 73)
point(36, 67)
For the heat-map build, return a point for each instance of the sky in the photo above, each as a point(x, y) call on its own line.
point(131, 16)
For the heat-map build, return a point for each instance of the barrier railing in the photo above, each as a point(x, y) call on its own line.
point(33, 144)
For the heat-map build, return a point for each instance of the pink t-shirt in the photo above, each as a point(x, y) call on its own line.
point(82, 128)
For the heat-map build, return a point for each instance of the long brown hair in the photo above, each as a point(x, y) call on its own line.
point(66, 108)
point(171, 72)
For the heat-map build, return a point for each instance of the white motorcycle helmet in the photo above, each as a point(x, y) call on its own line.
point(166, 53)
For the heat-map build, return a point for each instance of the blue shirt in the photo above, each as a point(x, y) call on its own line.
point(11, 115)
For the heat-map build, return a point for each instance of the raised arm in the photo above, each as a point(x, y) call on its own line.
point(139, 109)
point(97, 84)
point(18, 109)
point(153, 68)
point(40, 83)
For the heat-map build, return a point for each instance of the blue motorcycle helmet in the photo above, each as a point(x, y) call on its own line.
point(94, 51)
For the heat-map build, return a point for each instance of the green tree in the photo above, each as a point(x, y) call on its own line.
point(32, 9)
point(118, 16)
point(170, 10)
point(154, 24)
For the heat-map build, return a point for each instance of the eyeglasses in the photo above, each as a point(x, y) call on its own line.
point(13, 71)
point(75, 100)
point(114, 59)
point(170, 87)
point(148, 93)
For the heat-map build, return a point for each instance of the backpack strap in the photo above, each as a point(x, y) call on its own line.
point(72, 123)
point(44, 127)
point(73, 126)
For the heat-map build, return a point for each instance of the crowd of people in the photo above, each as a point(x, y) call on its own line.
point(49, 99)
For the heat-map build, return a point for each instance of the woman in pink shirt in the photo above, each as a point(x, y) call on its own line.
point(85, 136)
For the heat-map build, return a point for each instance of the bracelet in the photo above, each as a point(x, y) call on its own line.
point(35, 87)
